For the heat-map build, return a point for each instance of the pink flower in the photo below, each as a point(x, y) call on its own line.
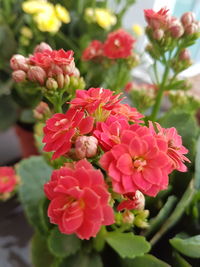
point(8, 181)
point(109, 132)
point(134, 201)
point(19, 62)
point(158, 19)
point(42, 47)
point(54, 62)
point(131, 114)
point(98, 100)
point(119, 44)
point(61, 130)
point(138, 163)
point(175, 150)
point(79, 200)
point(93, 51)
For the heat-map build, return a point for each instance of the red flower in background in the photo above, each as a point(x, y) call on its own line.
point(79, 200)
point(138, 163)
point(8, 181)
point(134, 201)
point(93, 51)
point(158, 19)
point(119, 44)
point(61, 129)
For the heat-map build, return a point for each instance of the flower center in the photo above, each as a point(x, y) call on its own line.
point(117, 42)
point(4, 180)
point(61, 122)
point(139, 163)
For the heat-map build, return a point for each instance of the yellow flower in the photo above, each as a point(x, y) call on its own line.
point(32, 7)
point(26, 32)
point(137, 29)
point(62, 13)
point(47, 22)
point(103, 17)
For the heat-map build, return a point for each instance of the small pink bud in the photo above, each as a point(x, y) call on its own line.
point(139, 200)
point(177, 30)
point(86, 147)
point(69, 69)
point(41, 110)
point(60, 80)
point(19, 62)
point(192, 28)
point(36, 74)
point(41, 47)
point(128, 217)
point(158, 34)
point(184, 55)
point(51, 84)
point(187, 18)
point(55, 70)
point(19, 76)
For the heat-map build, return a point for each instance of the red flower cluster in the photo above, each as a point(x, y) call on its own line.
point(8, 181)
point(79, 200)
point(119, 44)
point(158, 19)
point(43, 64)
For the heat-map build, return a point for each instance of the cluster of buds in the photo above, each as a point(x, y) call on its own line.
point(164, 28)
point(181, 98)
point(143, 95)
point(183, 62)
point(42, 111)
point(50, 69)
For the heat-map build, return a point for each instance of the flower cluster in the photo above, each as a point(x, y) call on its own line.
point(8, 182)
point(48, 17)
point(119, 44)
point(137, 160)
point(45, 67)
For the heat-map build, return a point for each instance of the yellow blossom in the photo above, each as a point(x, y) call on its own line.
point(137, 29)
point(47, 22)
point(103, 17)
point(62, 13)
point(32, 7)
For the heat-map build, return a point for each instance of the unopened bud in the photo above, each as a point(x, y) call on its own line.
point(42, 47)
point(51, 84)
point(60, 80)
point(184, 55)
point(86, 147)
point(177, 30)
point(54, 70)
point(158, 34)
point(36, 74)
point(76, 72)
point(141, 219)
point(67, 80)
point(19, 76)
point(19, 62)
point(192, 28)
point(69, 69)
point(41, 110)
point(187, 18)
point(128, 217)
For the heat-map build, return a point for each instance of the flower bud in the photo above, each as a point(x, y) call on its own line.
point(19, 76)
point(54, 70)
point(36, 74)
point(42, 47)
point(41, 110)
point(158, 34)
point(191, 29)
point(86, 147)
point(69, 69)
point(51, 84)
point(60, 80)
point(76, 72)
point(19, 62)
point(184, 54)
point(67, 80)
point(141, 219)
point(177, 30)
point(187, 18)
point(128, 217)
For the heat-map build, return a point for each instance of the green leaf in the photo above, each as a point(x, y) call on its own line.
point(82, 260)
point(179, 261)
point(187, 246)
point(62, 245)
point(163, 214)
point(127, 244)
point(39, 251)
point(8, 114)
point(144, 261)
point(197, 166)
point(177, 213)
point(34, 173)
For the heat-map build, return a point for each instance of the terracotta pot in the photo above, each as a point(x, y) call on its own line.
point(26, 141)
